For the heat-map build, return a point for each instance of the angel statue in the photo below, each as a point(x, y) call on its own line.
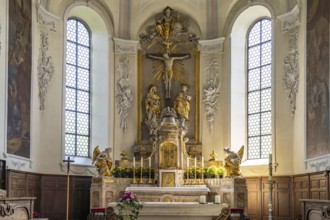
point(233, 162)
point(103, 161)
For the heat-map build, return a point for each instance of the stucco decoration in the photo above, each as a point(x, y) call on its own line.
point(125, 46)
point(211, 91)
point(290, 22)
point(18, 164)
point(211, 46)
point(46, 69)
point(170, 29)
point(291, 70)
point(46, 19)
point(124, 92)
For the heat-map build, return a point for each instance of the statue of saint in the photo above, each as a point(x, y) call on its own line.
point(152, 104)
point(233, 162)
point(103, 161)
point(168, 72)
point(182, 103)
point(164, 26)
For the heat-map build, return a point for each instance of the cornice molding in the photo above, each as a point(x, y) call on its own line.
point(290, 19)
point(125, 46)
point(211, 46)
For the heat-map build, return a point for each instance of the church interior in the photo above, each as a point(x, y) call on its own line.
point(216, 106)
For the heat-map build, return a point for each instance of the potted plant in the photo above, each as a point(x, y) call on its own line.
point(128, 206)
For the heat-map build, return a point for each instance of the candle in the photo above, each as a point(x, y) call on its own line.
point(270, 159)
point(202, 162)
point(133, 161)
point(149, 162)
point(141, 162)
point(195, 162)
point(187, 162)
point(217, 199)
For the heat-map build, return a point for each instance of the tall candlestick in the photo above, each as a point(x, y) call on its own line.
point(270, 166)
point(141, 181)
point(133, 161)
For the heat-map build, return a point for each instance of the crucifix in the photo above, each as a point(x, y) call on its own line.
point(168, 72)
point(67, 185)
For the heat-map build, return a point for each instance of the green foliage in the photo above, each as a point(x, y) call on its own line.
point(211, 172)
point(126, 172)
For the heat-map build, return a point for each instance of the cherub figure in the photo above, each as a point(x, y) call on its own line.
point(233, 162)
point(103, 161)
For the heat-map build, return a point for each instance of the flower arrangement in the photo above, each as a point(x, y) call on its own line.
point(128, 205)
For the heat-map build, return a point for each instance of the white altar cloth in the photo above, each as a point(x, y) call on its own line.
point(178, 210)
point(201, 189)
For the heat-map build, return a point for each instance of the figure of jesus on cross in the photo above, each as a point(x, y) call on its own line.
point(168, 73)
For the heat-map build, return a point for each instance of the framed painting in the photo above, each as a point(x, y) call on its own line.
point(19, 78)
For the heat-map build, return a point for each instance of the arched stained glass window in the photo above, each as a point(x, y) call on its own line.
point(77, 92)
point(259, 57)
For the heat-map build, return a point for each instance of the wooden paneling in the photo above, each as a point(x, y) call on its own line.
point(281, 197)
point(3, 174)
point(301, 191)
point(53, 197)
point(50, 191)
point(318, 189)
point(80, 192)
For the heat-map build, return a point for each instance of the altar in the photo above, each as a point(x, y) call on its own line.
point(170, 194)
point(165, 167)
point(181, 211)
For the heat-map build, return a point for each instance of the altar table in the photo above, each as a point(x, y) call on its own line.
point(181, 211)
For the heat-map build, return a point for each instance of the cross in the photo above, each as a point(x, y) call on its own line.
point(68, 186)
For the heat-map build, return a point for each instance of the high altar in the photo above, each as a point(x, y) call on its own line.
point(168, 125)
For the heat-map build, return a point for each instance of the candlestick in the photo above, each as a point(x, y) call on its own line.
point(270, 166)
point(134, 179)
point(203, 171)
point(141, 180)
point(150, 181)
point(187, 181)
point(195, 181)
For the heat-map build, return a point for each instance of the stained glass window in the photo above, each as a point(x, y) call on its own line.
point(259, 90)
point(77, 92)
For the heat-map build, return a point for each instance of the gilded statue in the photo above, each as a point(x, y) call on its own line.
point(233, 162)
point(168, 72)
point(152, 104)
point(164, 26)
point(103, 161)
point(182, 103)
